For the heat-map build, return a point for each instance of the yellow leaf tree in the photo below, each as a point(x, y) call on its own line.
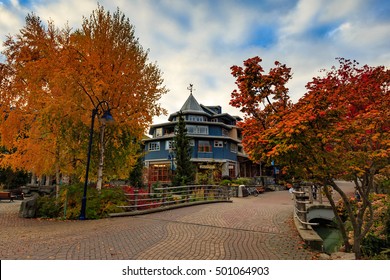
point(53, 78)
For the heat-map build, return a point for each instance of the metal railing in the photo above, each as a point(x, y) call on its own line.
point(304, 195)
point(168, 196)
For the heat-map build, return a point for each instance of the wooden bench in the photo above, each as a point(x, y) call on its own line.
point(7, 196)
point(260, 189)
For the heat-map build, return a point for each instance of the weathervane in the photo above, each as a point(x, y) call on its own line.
point(190, 88)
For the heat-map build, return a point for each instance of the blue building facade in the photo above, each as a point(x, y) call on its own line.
point(215, 140)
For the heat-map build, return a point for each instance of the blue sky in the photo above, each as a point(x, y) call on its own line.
point(198, 41)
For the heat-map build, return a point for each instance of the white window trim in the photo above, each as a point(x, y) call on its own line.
point(169, 145)
point(154, 146)
point(218, 143)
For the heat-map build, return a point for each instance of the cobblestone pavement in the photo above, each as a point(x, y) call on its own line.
point(249, 228)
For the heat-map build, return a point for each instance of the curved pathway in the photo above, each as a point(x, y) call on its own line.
point(249, 228)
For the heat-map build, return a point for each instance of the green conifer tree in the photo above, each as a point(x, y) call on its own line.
point(185, 170)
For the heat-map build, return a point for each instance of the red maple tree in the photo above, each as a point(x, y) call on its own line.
point(338, 129)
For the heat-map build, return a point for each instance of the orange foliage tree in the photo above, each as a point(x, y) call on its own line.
point(52, 79)
point(33, 101)
point(338, 129)
point(111, 65)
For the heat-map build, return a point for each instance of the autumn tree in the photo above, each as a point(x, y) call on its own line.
point(53, 78)
point(338, 129)
point(263, 98)
point(111, 65)
point(33, 101)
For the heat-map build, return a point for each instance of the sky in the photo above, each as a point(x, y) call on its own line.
point(196, 42)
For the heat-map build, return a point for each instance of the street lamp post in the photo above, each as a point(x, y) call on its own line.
point(171, 157)
point(106, 117)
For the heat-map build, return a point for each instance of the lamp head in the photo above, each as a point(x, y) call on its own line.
point(107, 117)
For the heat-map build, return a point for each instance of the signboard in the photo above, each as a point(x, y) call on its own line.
point(208, 166)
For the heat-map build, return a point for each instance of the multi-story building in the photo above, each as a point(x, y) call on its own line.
point(215, 138)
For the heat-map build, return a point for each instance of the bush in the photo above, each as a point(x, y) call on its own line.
point(376, 243)
point(242, 181)
point(68, 204)
point(377, 240)
point(225, 182)
point(47, 207)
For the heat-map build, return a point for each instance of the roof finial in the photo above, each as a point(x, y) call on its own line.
point(190, 88)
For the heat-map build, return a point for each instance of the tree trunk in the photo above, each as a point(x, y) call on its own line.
point(338, 219)
point(57, 171)
point(101, 159)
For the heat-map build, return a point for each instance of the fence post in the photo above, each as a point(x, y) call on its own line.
point(136, 199)
point(310, 191)
point(163, 195)
point(300, 205)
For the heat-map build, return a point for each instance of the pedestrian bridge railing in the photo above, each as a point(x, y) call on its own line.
point(170, 196)
point(304, 197)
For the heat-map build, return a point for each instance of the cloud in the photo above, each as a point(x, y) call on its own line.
point(11, 16)
point(198, 41)
point(64, 12)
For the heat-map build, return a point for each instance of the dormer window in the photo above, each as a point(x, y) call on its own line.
point(158, 132)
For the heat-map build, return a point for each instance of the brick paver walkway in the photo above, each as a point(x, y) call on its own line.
point(249, 228)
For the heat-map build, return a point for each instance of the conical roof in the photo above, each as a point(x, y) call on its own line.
point(191, 105)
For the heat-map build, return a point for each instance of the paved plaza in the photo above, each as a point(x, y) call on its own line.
point(249, 228)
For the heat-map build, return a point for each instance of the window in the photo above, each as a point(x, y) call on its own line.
point(204, 146)
point(159, 173)
point(233, 148)
point(203, 130)
point(169, 145)
point(218, 143)
point(232, 170)
point(158, 132)
point(225, 132)
point(154, 146)
point(197, 129)
point(192, 142)
point(196, 118)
